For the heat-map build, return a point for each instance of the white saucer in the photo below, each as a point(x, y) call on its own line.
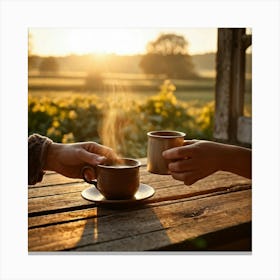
point(93, 194)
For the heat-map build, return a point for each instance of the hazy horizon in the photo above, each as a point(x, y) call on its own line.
point(106, 54)
point(71, 41)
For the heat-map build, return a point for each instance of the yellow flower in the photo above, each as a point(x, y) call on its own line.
point(158, 105)
point(52, 131)
point(68, 138)
point(55, 123)
point(157, 110)
point(72, 115)
point(52, 110)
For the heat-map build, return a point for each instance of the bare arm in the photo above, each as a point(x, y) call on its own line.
point(198, 159)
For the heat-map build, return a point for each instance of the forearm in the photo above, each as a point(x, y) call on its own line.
point(52, 157)
point(237, 160)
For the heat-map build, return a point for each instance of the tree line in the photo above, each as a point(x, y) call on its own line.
point(167, 55)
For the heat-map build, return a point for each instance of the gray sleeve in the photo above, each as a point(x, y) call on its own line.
point(37, 153)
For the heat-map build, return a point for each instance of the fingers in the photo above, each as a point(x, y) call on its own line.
point(188, 178)
point(182, 165)
point(179, 152)
point(90, 158)
point(96, 148)
point(100, 150)
point(89, 174)
point(184, 170)
point(189, 142)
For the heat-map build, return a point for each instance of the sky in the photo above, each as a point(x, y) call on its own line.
point(127, 41)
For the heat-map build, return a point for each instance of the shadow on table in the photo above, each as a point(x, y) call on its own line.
point(123, 229)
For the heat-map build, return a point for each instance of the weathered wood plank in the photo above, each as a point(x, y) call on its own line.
point(56, 189)
point(230, 79)
point(244, 130)
point(158, 181)
point(80, 186)
point(237, 82)
point(172, 237)
point(168, 196)
point(234, 238)
point(52, 179)
point(223, 83)
point(64, 217)
point(169, 189)
point(57, 202)
point(145, 229)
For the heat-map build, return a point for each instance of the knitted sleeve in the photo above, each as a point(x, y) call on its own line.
point(37, 153)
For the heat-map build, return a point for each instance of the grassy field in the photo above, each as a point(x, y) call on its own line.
point(131, 82)
point(136, 86)
point(200, 97)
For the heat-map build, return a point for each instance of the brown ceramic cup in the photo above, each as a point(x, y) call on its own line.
point(159, 141)
point(116, 181)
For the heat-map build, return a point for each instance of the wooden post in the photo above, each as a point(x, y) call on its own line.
point(230, 80)
point(223, 77)
point(237, 83)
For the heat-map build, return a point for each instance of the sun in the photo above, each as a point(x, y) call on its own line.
point(84, 41)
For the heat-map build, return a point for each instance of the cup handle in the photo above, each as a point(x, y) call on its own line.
point(94, 169)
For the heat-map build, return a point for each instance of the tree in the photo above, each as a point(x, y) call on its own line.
point(168, 55)
point(49, 64)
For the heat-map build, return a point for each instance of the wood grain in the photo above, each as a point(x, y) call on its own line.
point(60, 219)
point(69, 196)
point(145, 229)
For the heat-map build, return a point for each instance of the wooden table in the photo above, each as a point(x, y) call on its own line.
point(213, 214)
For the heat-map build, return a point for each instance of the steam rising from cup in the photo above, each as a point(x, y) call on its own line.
point(114, 121)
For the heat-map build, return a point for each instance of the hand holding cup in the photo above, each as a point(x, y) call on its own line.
point(158, 142)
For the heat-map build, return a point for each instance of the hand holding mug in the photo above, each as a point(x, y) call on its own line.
point(69, 159)
point(158, 142)
point(197, 159)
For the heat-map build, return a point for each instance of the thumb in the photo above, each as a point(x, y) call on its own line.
point(189, 142)
point(91, 158)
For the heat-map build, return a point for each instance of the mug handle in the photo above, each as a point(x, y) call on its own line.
point(94, 169)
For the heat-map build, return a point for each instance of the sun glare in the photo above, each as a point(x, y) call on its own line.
point(101, 41)
point(75, 41)
point(128, 41)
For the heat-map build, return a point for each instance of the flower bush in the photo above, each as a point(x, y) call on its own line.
point(117, 121)
point(65, 120)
